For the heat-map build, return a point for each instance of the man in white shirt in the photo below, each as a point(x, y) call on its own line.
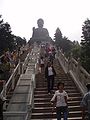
point(60, 99)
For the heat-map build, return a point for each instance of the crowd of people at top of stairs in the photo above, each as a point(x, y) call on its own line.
point(47, 54)
point(9, 60)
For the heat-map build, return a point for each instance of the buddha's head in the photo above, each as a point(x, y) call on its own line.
point(40, 23)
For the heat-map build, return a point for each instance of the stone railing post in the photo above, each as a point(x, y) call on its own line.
point(78, 69)
point(32, 93)
point(19, 68)
point(13, 82)
point(70, 64)
point(21, 71)
point(4, 95)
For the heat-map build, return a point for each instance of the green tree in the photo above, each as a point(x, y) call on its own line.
point(76, 50)
point(19, 41)
point(66, 46)
point(6, 39)
point(63, 42)
point(58, 37)
point(85, 45)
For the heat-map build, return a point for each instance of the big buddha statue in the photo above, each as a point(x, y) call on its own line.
point(40, 34)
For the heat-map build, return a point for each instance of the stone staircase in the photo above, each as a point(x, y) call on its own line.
point(42, 107)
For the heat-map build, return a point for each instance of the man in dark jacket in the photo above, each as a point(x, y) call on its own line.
point(50, 74)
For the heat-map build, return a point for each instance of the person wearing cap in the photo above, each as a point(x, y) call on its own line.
point(85, 103)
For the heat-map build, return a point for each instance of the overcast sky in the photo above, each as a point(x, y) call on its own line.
point(68, 15)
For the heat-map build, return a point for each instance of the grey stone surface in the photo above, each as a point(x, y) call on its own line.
point(25, 76)
point(19, 98)
point(14, 118)
point(24, 82)
point(22, 89)
point(17, 107)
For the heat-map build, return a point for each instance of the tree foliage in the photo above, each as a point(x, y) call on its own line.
point(63, 42)
point(8, 41)
point(19, 41)
point(85, 45)
point(58, 37)
point(76, 50)
point(67, 45)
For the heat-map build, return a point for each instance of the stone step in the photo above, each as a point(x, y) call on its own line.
point(64, 79)
point(55, 88)
point(47, 104)
point(45, 85)
point(68, 91)
point(49, 109)
point(46, 95)
point(48, 99)
point(53, 115)
point(66, 82)
point(66, 87)
point(75, 118)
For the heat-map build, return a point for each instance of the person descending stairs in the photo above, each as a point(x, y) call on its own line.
point(42, 107)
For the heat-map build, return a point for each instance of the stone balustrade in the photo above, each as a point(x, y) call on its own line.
point(79, 74)
point(10, 85)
